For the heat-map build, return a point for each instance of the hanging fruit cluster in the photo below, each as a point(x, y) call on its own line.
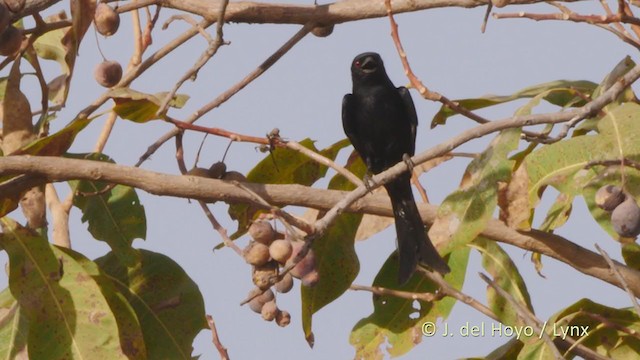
point(625, 213)
point(106, 21)
point(269, 251)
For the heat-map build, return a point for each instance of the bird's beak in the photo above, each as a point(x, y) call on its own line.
point(368, 65)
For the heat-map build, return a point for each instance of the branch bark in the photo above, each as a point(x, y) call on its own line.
point(327, 14)
point(41, 170)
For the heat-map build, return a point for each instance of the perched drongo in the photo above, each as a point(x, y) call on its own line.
point(380, 120)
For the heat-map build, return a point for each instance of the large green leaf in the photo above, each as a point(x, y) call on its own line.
point(283, 166)
point(505, 273)
point(57, 143)
point(14, 329)
point(140, 107)
point(337, 262)
point(55, 292)
point(397, 323)
point(168, 303)
point(465, 212)
point(583, 321)
point(565, 93)
point(114, 215)
point(562, 165)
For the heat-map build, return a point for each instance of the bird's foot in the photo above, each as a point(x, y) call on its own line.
point(407, 160)
point(368, 182)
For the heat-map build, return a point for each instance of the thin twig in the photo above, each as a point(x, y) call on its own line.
point(378, 290)
point(224, 355)
point(323, 160)
point(622, 162)
point(417, 84)
point(617, 274)
point(525, 315)
point(220, 229)
point(212, 49)
point(222, 98)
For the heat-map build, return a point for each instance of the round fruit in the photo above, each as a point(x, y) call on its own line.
point(10, 40)
point(198, 171)
point(269, 311)
point(311, 278)
point(5, 17)
point(285, 285)
point(108, 73)
point(306, 265)
point(106, 20)
point(262, 232)
point(257, 302)
point(256, 254)
point(217, 170)
point(322, 31)
point(234, 176)
point(280, 250)
point(608, 197)
point(625, 218)
point(283, 318)
point(266, 275)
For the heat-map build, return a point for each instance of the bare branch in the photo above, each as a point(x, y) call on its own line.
point(42, 170)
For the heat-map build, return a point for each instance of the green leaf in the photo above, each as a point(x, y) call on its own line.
point(140, 107)
point(337, 262)
point(55, 292)
point(565, 94)
point(397, 323)
point(631, 255)
point(115, 214)
point(283, 166)
point(59, 142)
point(603, 325)
point(559, 213)
point(621, 69)
point(562, 165)
point(14, 329)
point(505, 273)
point(168, 303)
point(465, 212)
point(507, 351)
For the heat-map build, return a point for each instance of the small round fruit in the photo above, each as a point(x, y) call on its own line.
point(108, 73)
point(256, 254)
point(285, 285)
point(256, 303)
point(322, 31)
point(262, 232)
point(5, 17)
point(266, 275)
point(625, 218)
point(306, 265)
point(234, 176)
point(269, 311)
point(608, 197)
point(217, 170)
point(283, 318)
point(280, 250)
point(106, 20)
point(10, 40)
point(310, 279)
point(198, 171)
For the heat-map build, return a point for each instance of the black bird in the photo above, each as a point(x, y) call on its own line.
point(381, 121)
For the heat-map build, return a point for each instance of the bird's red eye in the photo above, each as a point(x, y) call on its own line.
point(357, 63)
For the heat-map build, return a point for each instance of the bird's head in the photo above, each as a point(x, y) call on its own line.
point(368, 66)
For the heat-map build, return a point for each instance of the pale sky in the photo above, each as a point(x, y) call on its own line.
point(302, 96)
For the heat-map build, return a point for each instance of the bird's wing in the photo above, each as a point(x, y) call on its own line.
point(411, 114)
point(349, 121)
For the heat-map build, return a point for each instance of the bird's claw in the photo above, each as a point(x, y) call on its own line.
point(368, 182)
point(407, 160)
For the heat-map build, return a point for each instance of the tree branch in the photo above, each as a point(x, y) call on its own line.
point(42, 170)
